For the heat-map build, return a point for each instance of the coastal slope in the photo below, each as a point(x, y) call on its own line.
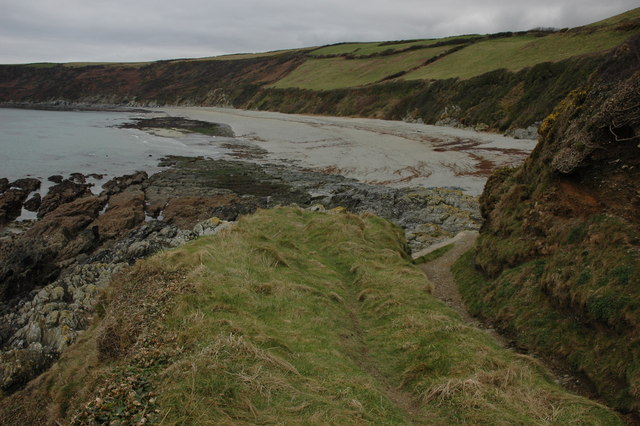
point(557, 262)
point(289, 315)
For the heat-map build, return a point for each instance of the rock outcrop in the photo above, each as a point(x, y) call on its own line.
point(13, 196)
point(36, 329)
point(61, 193)
point(561, 236)
point(124, 212)
point(428, 215)
point(36, 256)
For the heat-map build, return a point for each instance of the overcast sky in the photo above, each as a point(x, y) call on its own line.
point(143, 30)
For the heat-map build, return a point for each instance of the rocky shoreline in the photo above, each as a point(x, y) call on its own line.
point(53, 269)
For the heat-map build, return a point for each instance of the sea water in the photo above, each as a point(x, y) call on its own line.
point(43, 143)
point(40, 144)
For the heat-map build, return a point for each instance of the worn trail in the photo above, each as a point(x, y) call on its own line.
point(445, 288)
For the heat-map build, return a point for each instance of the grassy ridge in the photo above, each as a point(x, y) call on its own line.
point(376, 48)
point(291, 317)
point(556, 262)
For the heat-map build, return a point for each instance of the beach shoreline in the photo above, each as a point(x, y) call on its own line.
point(392, 153)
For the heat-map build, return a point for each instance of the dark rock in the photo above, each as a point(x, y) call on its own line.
point(199, 177)
point(4, 184)
point(125, 212)
point(77, 178)
point(18, 366)
point(35, 257)
point(181, 123)
point(64, 192)
point(33, 203)
point(427, 215)
point(136, 180)
point(154, 209)
point(143, 241)
point(26, 184)
point(55, 178)
point(186, 212)
point(11, 205)
point(97, 176)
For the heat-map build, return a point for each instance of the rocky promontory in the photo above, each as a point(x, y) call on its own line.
point(53, 269)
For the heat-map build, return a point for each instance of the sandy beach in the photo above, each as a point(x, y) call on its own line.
point(385, 152)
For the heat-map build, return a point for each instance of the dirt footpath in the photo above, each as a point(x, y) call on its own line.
point(445, 288)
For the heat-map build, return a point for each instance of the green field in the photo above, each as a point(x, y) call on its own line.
point(366, 49)
point(339, 72)
point(484, 55)
point(517, 52)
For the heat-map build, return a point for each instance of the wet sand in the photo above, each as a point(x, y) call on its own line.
point(385, 152)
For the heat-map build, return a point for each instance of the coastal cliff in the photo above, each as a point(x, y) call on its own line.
point(557, 262)
point(504, 82)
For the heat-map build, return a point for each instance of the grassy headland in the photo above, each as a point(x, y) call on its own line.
point(292, 317)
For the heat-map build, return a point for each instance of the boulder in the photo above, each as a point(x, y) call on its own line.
point(64, 192)
point(35, 257)
point(77, 178)
point(55, 178)
point(33, 203)
point(20, 365)
point(118, 184)
point(125, 212)
point(11, 205)
point(26, 184)
point(4, 184)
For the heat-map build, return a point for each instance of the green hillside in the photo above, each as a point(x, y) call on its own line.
point(341, 72)
point(476, 55)
point(291, 317)
point(386, 47)
point(556, 265)
point(517, 52)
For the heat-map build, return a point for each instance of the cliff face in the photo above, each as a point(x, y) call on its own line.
point(559, 252)
point(167, 82)
point(497, 100)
